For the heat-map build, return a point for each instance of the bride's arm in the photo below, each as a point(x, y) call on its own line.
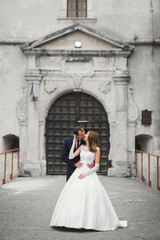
point(73, 154)
point(95, 168)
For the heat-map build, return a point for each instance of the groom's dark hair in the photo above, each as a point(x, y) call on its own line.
point(77, 129)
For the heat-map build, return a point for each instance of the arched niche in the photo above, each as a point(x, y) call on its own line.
point(10, 141)
point(144, 142)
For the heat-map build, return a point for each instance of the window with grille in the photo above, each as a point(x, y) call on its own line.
point(77, 8)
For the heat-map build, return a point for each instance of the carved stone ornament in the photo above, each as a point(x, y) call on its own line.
point(133, 112)
point(105, 87)
point(22, 107)
point(49, 86)
point(77, 81)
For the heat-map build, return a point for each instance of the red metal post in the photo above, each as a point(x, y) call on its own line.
point(142, 177)
point(11, 175)
point(4, 179)
point(5, 163)
point(136, 162)
point(149, 182)
point(18, 161)
point(158, 187)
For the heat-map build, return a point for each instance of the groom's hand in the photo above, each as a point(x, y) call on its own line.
point(91, 165)
point(81, 176)
point(78, 164)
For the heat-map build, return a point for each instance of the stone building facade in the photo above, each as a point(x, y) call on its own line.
point(100, 71)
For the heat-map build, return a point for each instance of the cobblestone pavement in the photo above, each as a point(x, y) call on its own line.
point(26, 206)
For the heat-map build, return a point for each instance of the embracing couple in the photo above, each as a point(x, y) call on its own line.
point(83, 202)
point(79, 139)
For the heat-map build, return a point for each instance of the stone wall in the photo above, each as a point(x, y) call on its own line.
point(133, 21)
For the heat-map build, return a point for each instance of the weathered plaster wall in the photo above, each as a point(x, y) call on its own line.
point(28, 19)
point(12, 70)
point(128, 19)
point(125, 19)
point(145, 72)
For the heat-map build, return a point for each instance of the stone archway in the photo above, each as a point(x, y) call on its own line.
point(69, 110)
point(56, 66)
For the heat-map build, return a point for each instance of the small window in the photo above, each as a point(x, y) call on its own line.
point(77, 8)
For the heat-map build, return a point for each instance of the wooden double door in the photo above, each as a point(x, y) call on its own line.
point(70, 110)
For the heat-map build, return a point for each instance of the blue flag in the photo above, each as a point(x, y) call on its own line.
point(31, 92)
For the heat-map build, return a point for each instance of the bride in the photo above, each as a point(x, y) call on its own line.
point(83, 202)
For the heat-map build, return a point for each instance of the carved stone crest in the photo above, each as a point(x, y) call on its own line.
point(133, 112)
point(49, 86)
point(77, 81)
point(22, 107)
point(105, 87)
point(21, 112)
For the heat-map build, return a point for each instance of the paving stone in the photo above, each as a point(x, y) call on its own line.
point(26, 207)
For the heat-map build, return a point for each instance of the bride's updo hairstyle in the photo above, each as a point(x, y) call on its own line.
point(93, 141)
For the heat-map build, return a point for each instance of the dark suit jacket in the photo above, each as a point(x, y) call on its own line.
point(65, 155)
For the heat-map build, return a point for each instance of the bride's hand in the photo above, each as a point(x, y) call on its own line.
point(81, 176)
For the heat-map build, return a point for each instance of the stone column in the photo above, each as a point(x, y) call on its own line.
point(131, 147)
point(120, 159)
point(42, 147)
point(133, 114)
point(32, 164)
point(112, 141)
point(23, 142)
point(22, 118)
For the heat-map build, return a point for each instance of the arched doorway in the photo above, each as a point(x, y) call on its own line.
point(73, 109)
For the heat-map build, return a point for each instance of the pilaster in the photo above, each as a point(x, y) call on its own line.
point(33, 164)
point(131, 147)
point(120, 159)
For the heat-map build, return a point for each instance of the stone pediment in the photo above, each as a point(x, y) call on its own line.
point(77, 37)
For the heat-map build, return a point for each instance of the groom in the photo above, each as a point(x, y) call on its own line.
point(73, 163)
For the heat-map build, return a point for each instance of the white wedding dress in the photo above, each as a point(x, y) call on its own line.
point(84, 203)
